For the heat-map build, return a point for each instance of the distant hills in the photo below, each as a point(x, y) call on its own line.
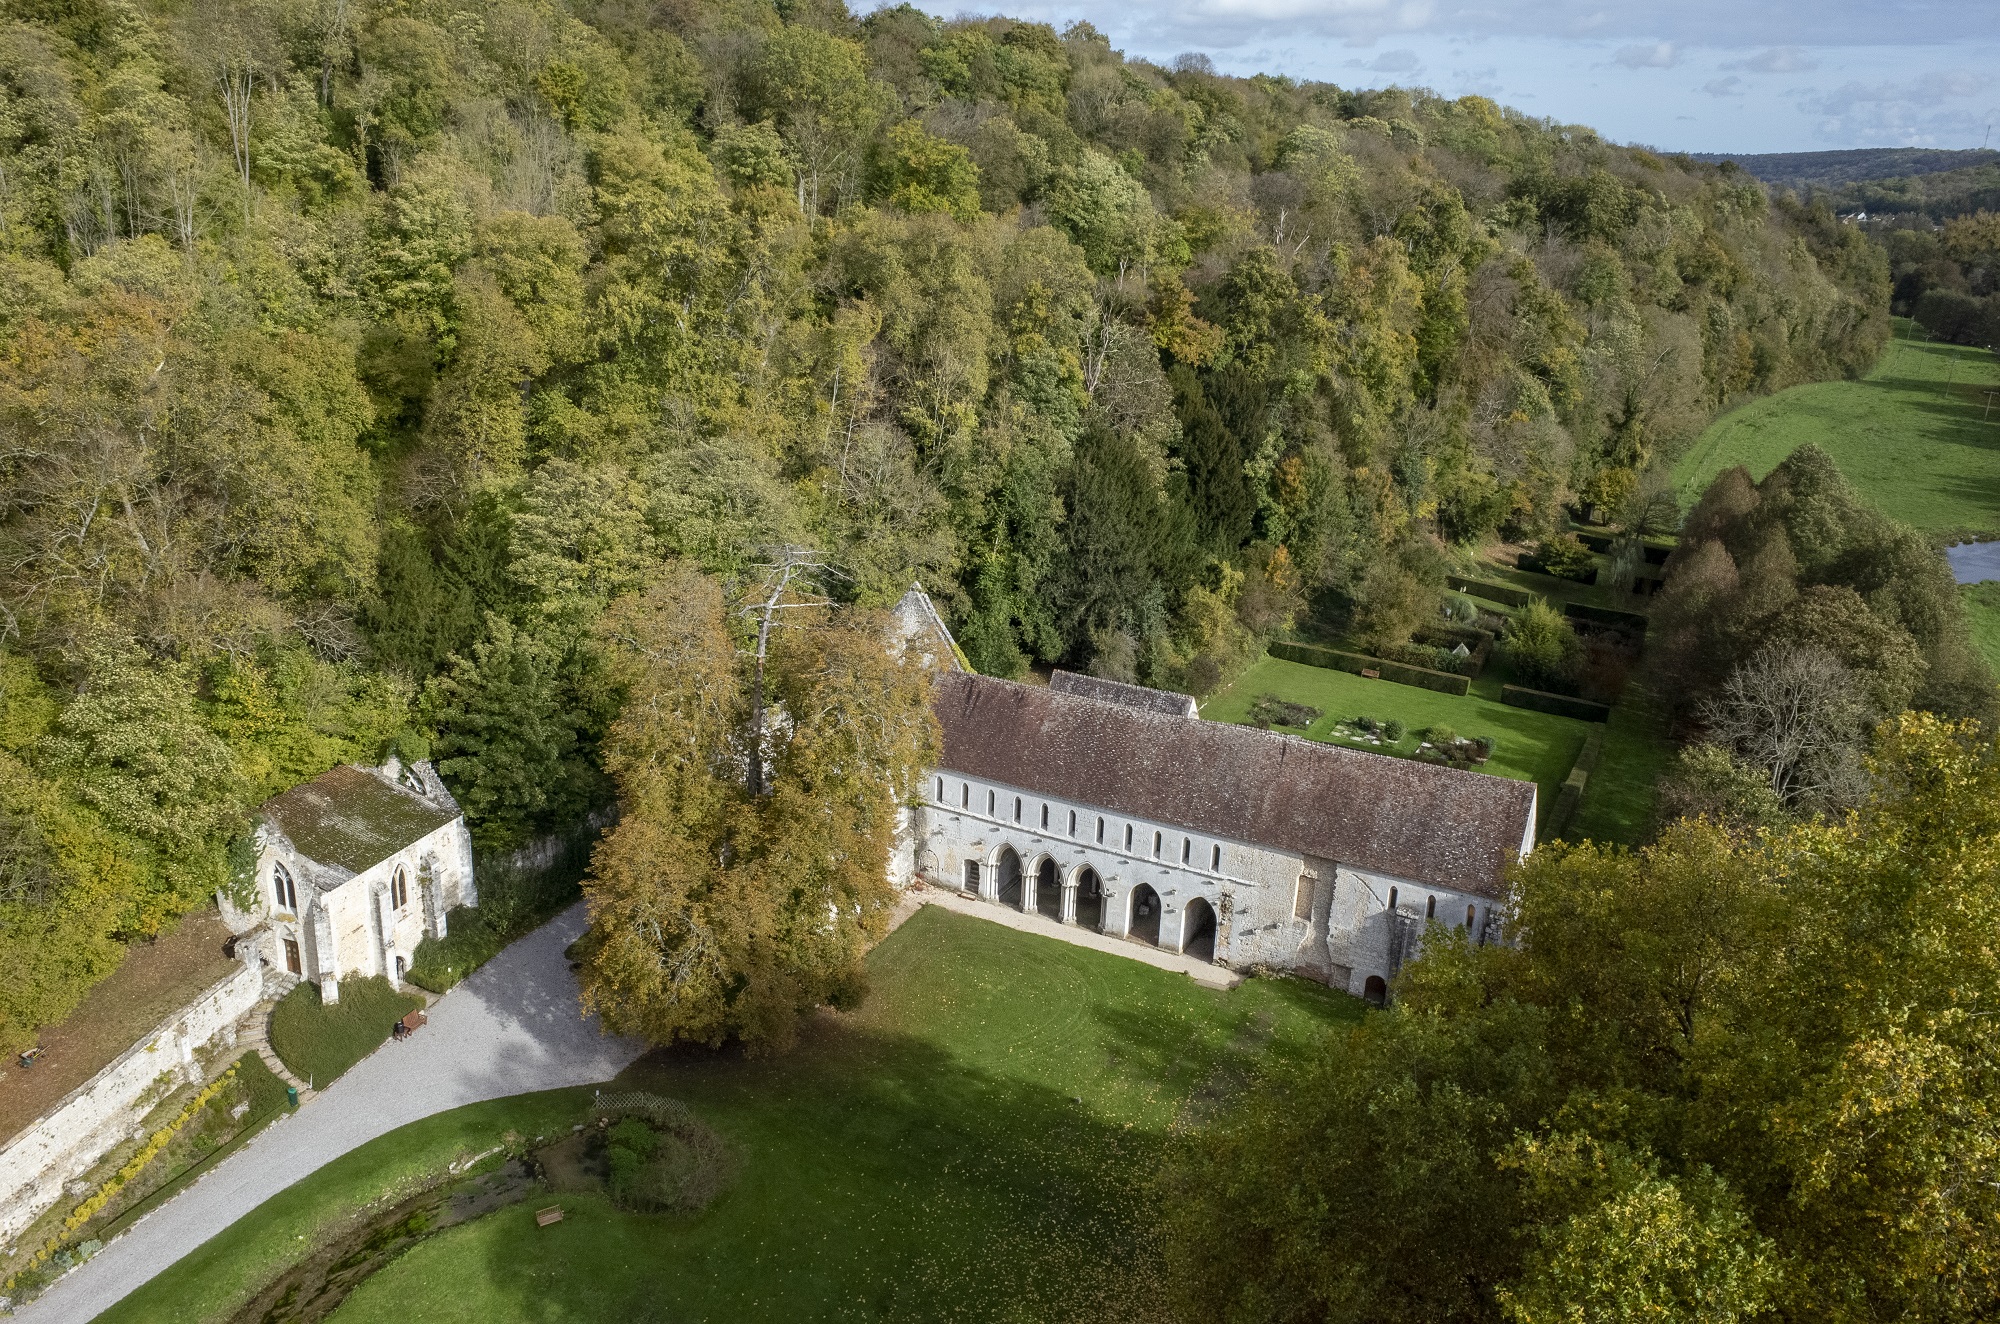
point(1830, 170)
point(1882, 181)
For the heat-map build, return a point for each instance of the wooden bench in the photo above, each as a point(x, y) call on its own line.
point(410, 1024)
point(544, 1217)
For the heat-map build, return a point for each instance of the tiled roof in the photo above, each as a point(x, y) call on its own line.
point(1409, 820)
point(352, 819)
point(1117, 691)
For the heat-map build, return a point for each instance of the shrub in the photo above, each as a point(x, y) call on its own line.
point(1270, 710)
point(1541, 645)
point(1366, 723)
point(1459, 609)
point(1565, 557)
point(659, 1156)
point(1440, 734)
point(1393, 730)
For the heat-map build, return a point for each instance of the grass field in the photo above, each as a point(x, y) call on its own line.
point(1618, 799)
point(1982, 613)
point(1528, 746)
point(976, 1142)
point(319, 1042)
point(1911, 435)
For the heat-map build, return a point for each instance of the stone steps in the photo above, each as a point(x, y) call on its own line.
point(257, 1038)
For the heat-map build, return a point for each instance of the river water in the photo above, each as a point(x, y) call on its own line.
point(1974, 562)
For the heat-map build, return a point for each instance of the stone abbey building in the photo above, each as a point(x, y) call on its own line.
point(1119, 809)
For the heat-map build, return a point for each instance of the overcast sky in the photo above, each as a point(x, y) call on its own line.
point(1682, 75)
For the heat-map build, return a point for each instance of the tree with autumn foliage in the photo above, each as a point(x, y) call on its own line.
point(718, 911)
point(1732, 1075)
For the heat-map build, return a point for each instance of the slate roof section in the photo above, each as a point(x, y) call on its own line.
point(352, 819)
point(1409, 820)
point(1117, 691)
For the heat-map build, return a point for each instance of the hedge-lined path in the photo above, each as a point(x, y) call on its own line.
point(514, 1027)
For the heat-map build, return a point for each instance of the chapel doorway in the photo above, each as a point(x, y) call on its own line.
point(1090, 900)
point(292, 956)
point(1198, 930)
point(1145, 915)
point(1008, 883)
point(1375, 990)
point(1048, 890)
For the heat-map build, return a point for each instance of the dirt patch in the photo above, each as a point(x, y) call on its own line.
point(313, 1289)
point(155, 980)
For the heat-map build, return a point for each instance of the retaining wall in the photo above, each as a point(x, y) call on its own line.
point(70, 1138)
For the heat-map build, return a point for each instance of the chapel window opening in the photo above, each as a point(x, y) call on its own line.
point(286, 895)
point(399, 889)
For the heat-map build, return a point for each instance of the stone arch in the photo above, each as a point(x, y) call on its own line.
point(1376, 990)
point(1145, 915)
point(1047, 882)
point(1007, 877)
point(1198, 929)
point(1088, 907)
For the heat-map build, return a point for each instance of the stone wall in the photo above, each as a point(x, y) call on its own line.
point(70, 1138)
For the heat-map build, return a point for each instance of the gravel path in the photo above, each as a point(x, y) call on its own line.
point(512, 1028)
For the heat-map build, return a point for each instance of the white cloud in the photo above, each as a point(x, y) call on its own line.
point(1390, 62)
point(1933, 109)
point(1478, 82)
point(1731, 86)
point(1777, 60)
point(1657, 55)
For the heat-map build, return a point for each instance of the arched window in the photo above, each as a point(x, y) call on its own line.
point(399, 889)
point(1157, 840)
point(1392, 899)
point(1045, 815)
point(1100, 829)
point(965, 795)
point(1468, 917)
point(282, 890)
point(940, 794)
point(989, 804)
point(1128, 836)
point(1215, 859)
point(1431, 908)
point(1017, 809)
point(1187, 849)
point(1072, 822)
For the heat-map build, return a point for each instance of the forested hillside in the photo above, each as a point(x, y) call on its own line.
point(358, 355)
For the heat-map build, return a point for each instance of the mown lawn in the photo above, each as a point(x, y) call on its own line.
point(318, 1042)
point(1527, 746)
point(978, 1141)
point(1619, 799)
point(1910, 435)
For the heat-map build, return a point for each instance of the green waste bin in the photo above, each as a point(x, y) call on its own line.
point(292, 1096)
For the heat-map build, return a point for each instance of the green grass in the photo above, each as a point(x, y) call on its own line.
point(1910, 435)
point(976, 1142)
point(1618, 800)
point(1528, 746)
point(1982, 613)
point(318, 1042)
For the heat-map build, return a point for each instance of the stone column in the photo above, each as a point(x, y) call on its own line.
point(1031, 889)
point(1115, 904)
point(1069, 902)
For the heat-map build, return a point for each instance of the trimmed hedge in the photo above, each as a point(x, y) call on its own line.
point(1559, 705)
point(1531, 563)
point(1500, 593)
point(1333, 659)
point(1621, 620)
point(1571, 796)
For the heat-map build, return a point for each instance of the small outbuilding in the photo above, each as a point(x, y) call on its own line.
point(354, 869)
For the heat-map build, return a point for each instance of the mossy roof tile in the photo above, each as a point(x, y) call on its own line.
point(353, 819)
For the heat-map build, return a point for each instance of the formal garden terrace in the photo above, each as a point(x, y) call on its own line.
point(986, 1128)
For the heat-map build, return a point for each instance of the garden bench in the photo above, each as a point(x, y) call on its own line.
point(409, 1025)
